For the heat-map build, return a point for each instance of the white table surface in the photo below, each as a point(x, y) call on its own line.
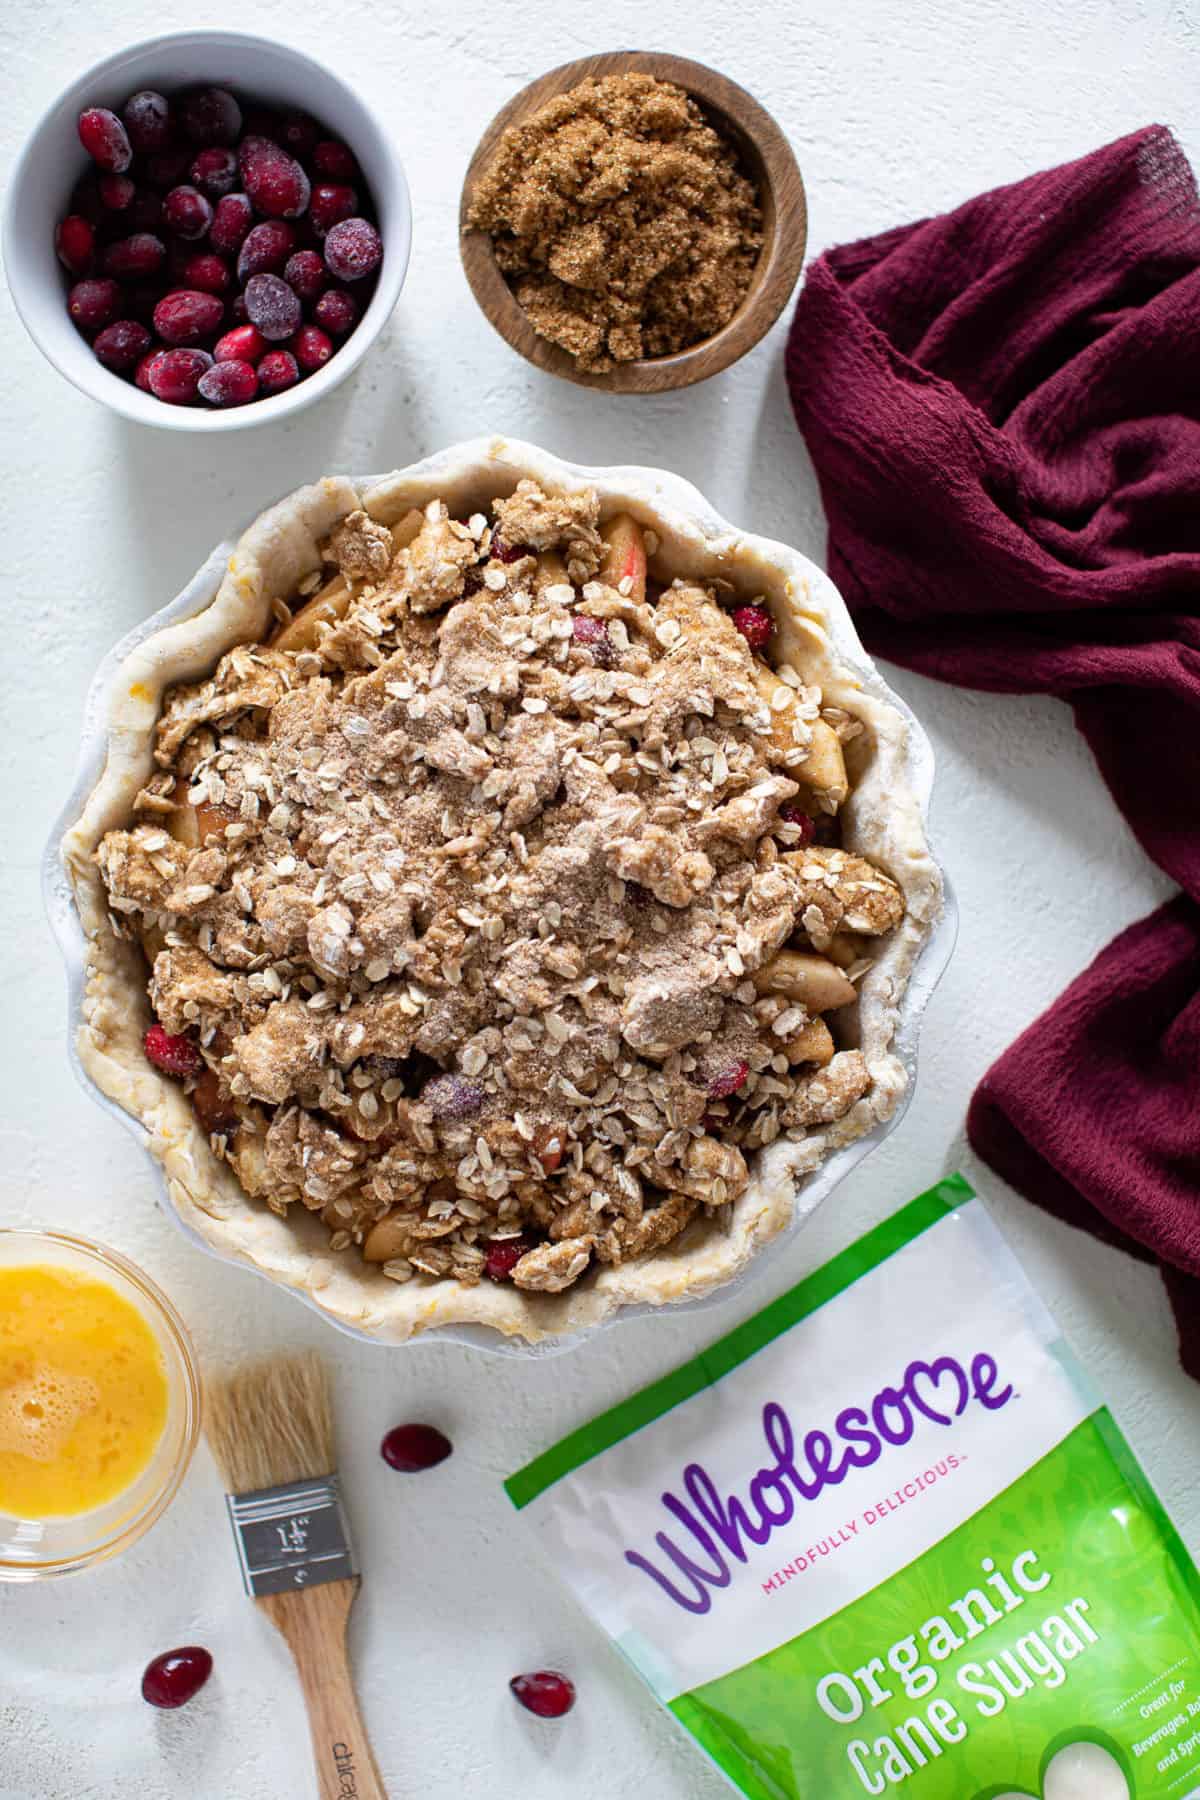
point(895, 112)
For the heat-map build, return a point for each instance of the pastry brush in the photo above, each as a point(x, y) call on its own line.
point(271, 1430)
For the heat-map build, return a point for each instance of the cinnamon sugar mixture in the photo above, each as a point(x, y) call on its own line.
point(622, 220)
point(471, 888)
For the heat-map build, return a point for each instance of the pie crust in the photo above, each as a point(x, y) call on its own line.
point(881, 819)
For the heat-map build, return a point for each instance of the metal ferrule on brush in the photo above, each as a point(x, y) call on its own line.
point(291, 1536)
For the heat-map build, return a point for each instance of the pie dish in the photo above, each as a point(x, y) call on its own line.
point(525, 926)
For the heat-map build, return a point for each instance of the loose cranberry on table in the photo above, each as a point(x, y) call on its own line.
point(176, 1676)
point(202, 215)
point(414, 1448)
point(544, 1692)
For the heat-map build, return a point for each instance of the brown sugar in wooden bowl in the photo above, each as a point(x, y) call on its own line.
point(767, 159)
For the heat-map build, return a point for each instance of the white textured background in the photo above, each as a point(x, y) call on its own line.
point(895, 111)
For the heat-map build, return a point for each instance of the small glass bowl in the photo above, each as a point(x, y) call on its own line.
point(33, 1548)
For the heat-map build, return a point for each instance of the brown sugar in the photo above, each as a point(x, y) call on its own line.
point(622, 221)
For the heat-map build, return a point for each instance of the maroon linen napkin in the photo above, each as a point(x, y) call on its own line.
point(1003, 407)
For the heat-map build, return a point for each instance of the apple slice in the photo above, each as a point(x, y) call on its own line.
point(551, 571)
point(327, 606)
point(191, 825)
point(624, 555)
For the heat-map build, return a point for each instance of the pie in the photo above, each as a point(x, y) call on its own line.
point(501, 896)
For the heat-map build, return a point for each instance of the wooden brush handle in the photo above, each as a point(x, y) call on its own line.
point(313, 1624)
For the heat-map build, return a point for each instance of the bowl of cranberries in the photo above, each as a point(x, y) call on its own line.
point(207, 231)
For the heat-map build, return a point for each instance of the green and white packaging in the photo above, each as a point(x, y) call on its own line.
point(884, 1537)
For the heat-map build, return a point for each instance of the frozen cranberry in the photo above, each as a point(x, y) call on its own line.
point(306, 274)
point(207, 272)
point(176, 1676)
point(272, 306)
point(174, 375)
point(146, 212)
point(210, 116)
point(74, 244)
point(336, 312)
point(502, 1258)
point(147, 118)
point(413, 1448)
point(353, 250)
point(592, 635)
point(228, 384)
point(94, 304)
point(85, 198)
point(791, 814)
point(231, 221)
point(122, 344)
point(141, 375)
point(176, 1056)
point(266, 249)
point(186, 315)
point(243, 344)
point(136, 257)
point(274, 180)
point(727, 1081)
point(116, 192)
point(179, 255)
point(298, 133)
point(187, 212)
point(277, 370)
point(544, 1692)
point(755, 624)
point(237, 310)
point(311, 348)
point(166, 168)
point(104, 138)
point(214, 171)
point(333, 161)
point(452, 1096)
point(330, 204)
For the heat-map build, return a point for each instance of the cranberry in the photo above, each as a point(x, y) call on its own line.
point(330, 204)
point(237, 309)
point(592, 635)
point(167, 167)
point(94, 304)
point(174, 375)
point(176, 1676)
point(306, 274)
point(266, 250)
point(186, 315)
point(146, 212)
point(215, 171)
point(147, 119)
point(272, 306)
point(229, 383)
point(210, 116)
point(452, 1097)
point(85, 198)
point(176, 1056)
point(141, 375)
point(122, 344)
point(207, 272)
point(544, 1692)
point(116, 192)
point(333, 161)
point(727, 1081)
point(274, 180)
point(104, 138)
point(791, 814)
point(243, 344)
point(231, 221)
point(311, 348)
point(74, 244)
point(502, 1258)
point(353, 250)
point(277, 370)
point(298, 132)
point(505, 552)
point(336, 312)
point(134, 258)
point(412, 1448)
point(755, 625)
point(187, 213)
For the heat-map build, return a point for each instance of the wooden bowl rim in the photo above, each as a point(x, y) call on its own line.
point(775, 277)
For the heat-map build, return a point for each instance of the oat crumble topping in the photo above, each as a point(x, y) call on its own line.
point(474, 889)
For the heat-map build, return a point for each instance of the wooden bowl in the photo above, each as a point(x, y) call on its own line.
point(767, 159)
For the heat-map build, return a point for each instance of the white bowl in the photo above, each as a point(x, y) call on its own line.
point(670, 494)
point(53, 160)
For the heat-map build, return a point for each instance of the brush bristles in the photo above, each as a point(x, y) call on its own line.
point(271, 1423)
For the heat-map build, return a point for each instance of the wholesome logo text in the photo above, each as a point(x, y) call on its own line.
point(722, 1527)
